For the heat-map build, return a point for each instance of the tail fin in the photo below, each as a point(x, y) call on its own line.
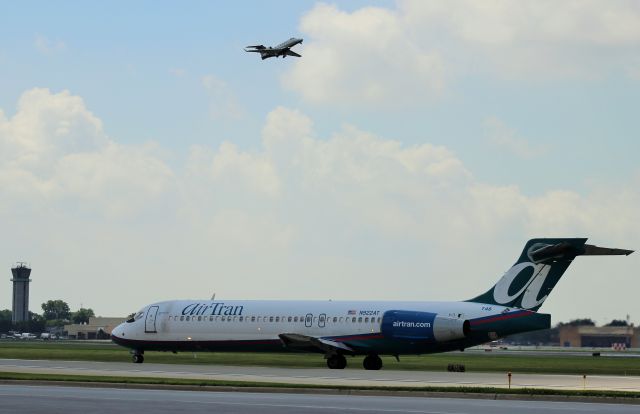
point(540, 266)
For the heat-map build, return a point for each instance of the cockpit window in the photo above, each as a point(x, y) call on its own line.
point(134, 317)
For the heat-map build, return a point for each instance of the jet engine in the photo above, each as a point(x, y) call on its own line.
point(423, 326)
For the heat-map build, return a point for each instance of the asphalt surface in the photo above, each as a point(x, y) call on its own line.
point(321, 376)
point(52, 399)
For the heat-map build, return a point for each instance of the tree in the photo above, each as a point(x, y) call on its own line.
point(617, 322)
point(5, 320)
point(82, 315)
point(578, 322)
point(56, 309)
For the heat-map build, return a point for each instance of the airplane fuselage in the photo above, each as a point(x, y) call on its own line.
point(364, 327)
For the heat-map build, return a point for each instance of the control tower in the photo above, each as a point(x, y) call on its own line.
point(20, 292)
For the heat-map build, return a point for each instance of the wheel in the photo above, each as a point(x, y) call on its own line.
point(137, 358)
point(372, 362)
point(336, 361)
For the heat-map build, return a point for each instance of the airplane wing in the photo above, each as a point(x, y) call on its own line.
point(292, 53)
point(328, 346)
point(255, 47)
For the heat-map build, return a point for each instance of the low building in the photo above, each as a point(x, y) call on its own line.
point(599, 336)
point(97, 328)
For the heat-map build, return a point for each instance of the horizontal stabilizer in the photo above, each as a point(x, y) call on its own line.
point(591, 250)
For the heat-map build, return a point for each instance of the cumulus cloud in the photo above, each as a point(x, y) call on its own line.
point(399, 56)
point(223, 102)
point(347, 213)
point(47, 46)
point(501, 135)
point(55, 148)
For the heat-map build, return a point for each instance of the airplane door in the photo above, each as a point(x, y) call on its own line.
point(322, 319)
point(150, 321)
point(308, 320)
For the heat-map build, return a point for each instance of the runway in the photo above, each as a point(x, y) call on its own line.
point(48, 399)
point(321, 376)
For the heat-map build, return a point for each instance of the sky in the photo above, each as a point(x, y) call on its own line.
point(408, 155)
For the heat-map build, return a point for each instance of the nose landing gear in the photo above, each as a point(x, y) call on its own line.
point(137, 357)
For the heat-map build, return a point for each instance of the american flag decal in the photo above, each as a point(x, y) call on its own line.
point(351, 312)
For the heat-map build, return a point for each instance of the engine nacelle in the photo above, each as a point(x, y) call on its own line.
point(423, 326)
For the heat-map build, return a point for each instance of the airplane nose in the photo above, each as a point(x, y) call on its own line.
point(118, 332)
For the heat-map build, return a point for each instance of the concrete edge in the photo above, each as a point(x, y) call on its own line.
point(328, 391)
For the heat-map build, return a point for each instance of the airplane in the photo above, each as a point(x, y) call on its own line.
point(370, 328)
point(283, 49)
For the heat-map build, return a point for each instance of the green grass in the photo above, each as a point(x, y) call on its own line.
point(246, 384)
point(474, 362)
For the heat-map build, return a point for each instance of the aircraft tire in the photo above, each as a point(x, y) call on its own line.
point(137, 358)
point(372, 362)
point(336, 362)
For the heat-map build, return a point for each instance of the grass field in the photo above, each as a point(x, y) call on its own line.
point(474, 362)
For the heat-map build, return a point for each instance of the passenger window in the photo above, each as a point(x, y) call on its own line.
point(360, 319)
point(271, 319)
point(253, 319)
point(341, 319)
point(240, 319)
point(366, 320)
point(222, 318)
point(289, 319)
point(295, 319)
point(277, 319)
point(210, 318)
point(353, 320)
point(187, 319)
point(335, 319)
point(378, 320)
point(182, 318)
point(199, 318)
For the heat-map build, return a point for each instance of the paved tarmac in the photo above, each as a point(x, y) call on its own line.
point(51, 399)
point(321, 376)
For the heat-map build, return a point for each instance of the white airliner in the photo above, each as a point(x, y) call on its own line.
point(339, 328)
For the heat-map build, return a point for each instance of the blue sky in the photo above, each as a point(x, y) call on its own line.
point(397, 115)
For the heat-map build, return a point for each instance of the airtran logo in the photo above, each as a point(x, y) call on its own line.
point(529, 291)
point(213, 308)
point(405, 324)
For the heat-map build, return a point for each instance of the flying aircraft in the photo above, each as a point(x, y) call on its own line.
point(370, 328)
point(283, 49)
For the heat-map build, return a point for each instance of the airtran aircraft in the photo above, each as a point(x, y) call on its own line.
point(370, 328)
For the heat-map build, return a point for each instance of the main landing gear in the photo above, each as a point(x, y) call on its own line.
point(137, 357)
point(372, 362)
point(336, 361)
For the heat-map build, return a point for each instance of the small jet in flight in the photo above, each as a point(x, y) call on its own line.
point(283, 49)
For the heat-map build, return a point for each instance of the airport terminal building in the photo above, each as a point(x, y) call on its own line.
point(620, 337)
point(97, 328)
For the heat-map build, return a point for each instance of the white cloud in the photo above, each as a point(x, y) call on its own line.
point(113, 226)
point(396, 57)
point(177, 72)
point(47, 46)
point(54, 148)
point(223, 101)
point(501, 135)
